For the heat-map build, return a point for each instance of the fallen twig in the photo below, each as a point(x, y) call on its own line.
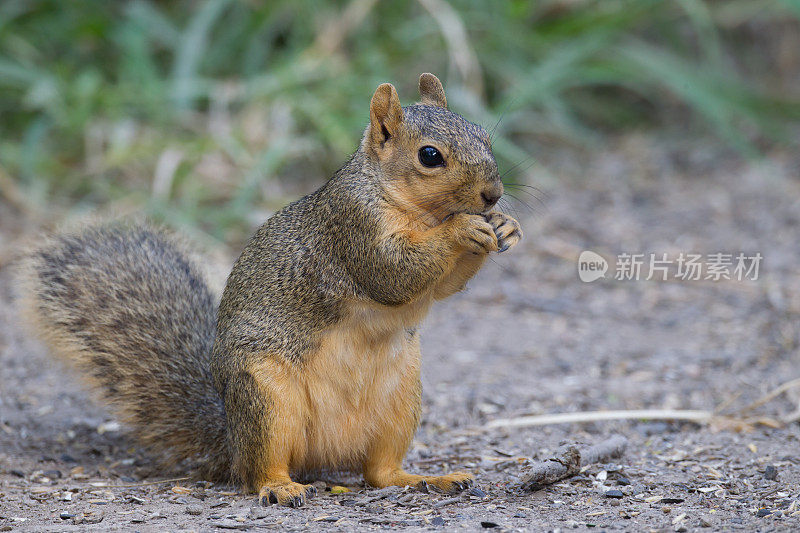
point(568, 461)
point(772, 395)
point(595, 416)
point(448, 501)
point(791, 417)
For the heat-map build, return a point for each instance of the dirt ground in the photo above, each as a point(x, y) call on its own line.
point(527, 337)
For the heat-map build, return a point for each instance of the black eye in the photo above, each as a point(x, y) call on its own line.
point(430, 157)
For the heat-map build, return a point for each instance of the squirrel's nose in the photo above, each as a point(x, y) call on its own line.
point(492, 195)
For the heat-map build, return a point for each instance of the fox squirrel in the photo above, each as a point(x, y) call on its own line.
point(312, 358)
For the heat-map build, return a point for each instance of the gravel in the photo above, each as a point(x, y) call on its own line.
point(526, 338)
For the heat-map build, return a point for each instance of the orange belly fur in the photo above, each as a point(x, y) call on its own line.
point(365, 372)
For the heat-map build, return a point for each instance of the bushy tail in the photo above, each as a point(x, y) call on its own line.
point(128, 305)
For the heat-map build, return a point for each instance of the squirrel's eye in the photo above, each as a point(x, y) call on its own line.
point(430, 157)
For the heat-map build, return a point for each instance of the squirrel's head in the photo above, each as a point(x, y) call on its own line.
point(428, 157)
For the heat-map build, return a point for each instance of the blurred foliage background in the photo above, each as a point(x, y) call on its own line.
point(210, 114)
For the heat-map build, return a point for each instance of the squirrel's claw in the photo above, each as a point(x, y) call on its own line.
point(462, 485)
point(507, 230)
point(290, 494)
point(466, 484)
point(447, 484)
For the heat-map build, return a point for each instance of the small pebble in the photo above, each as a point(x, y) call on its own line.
point(666, 509)
point(326, 518)
point(230, 524)
point(622, 480)
point(194, 510)
point(770, 472)
point(65, 515)
point(763, 512)
point(489, 525)
point(87, 518)
point(257, 513)
point(705, 522)
point(56, 474)
point(613, 493)
point(671, 500)
point(437, 521)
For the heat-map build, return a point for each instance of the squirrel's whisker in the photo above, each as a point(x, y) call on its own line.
point(527, 186)
point(530, 160)
point(523, 202)
point(529, 193)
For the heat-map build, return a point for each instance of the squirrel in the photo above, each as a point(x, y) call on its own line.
point(312, 357)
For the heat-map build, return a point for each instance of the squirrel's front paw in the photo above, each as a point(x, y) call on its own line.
point(287, 493)
point(507, 230)
point(474, 233)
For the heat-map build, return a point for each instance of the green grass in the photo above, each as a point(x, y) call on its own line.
point(227, 102)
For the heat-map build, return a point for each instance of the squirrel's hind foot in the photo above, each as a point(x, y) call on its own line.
point(286, 493)
point(448, 483)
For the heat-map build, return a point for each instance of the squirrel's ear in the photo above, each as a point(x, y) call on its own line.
point(385, 114)
point(431, 90)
